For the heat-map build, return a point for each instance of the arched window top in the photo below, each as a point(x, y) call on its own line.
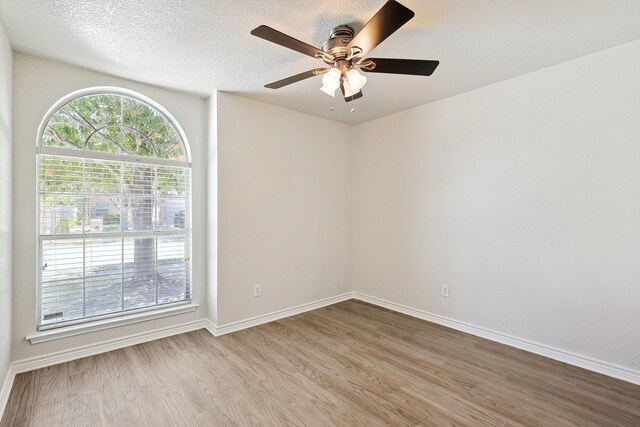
point(117, 121)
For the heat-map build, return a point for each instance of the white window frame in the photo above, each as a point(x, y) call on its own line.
point(80, 326)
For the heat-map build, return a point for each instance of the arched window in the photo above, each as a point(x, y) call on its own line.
point(114, 187)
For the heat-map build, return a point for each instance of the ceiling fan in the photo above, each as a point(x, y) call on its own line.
point(344, 53)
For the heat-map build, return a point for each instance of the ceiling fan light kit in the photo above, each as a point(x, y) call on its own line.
point(344, 52)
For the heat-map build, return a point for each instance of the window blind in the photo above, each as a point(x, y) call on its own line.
point(115, 236)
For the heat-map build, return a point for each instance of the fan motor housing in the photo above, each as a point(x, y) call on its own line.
point(336, 46)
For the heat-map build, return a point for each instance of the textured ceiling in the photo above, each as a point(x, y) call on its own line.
point(200, 46)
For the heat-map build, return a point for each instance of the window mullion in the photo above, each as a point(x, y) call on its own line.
point(84, 240)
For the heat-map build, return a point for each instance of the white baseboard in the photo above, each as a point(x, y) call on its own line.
point(568, 357)
point(6, 388)
point(227, 328)
point(37, 362)
point(211, 327)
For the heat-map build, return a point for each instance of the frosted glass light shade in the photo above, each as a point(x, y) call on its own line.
point(331, 82)
point(328, 90)
point(348, 92)
point(331, 79)
point(356, 80)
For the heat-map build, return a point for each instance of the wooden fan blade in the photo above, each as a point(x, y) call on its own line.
point(353, 97)
point(282, 39)
point(293, 79)
point(416, 67)
point(389, 18)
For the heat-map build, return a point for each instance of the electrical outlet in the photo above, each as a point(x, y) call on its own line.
point(257, 290)
point(445, 291)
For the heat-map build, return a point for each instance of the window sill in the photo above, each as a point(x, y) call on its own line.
point(98, 325)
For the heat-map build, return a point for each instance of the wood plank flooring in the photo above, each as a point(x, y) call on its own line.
point(347, 364)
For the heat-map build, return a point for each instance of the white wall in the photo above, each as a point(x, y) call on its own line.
point(284, 208)
point(523, 196)
point(38, 84)
point(6, 62)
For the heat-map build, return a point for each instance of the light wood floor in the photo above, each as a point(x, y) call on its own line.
point(348, 364)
